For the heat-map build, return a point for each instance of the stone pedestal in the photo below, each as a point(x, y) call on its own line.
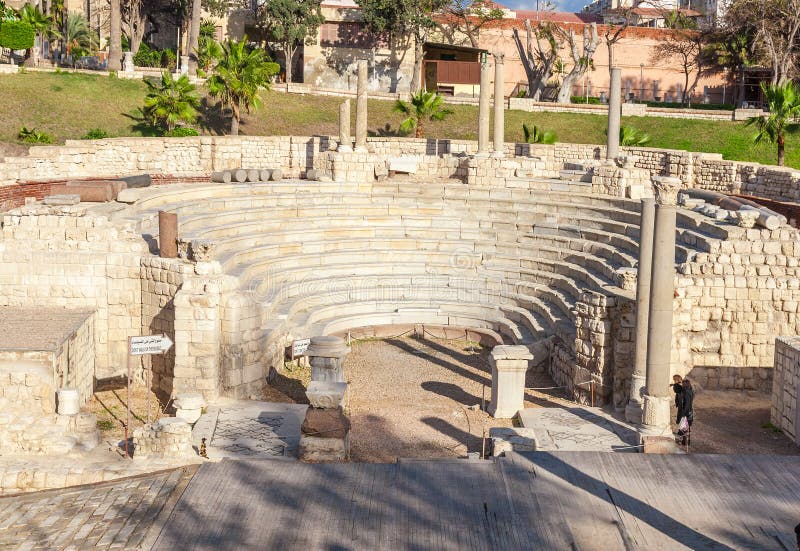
point(656, 415)
point(509, 365)
point(325, 432)
point(483, 110)
point(326, 355)
point(345, 144)
point(361, 107)
point(499, 107)
point(127, 62)
point(633, 411)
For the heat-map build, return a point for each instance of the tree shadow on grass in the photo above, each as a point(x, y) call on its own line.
point(386, 132)
point(142, 126)
point(213, 118)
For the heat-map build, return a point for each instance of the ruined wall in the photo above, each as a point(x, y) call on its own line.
point(64, 257)
point(178, 158)
point(732, 302)
point(784, 412)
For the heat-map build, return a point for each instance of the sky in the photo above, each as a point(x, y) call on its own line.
point(561, 5)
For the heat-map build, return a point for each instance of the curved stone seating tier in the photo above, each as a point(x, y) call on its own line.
point(311, 258)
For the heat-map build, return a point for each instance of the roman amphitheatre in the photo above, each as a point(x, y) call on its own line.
point(395, 343)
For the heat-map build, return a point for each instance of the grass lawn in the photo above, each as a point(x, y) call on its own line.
point(68, 105)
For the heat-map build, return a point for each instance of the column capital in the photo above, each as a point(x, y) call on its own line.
point(498, 57)
point(666, 189)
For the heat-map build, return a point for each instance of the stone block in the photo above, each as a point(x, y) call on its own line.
point(325, 423)
point(62, 199)
point(315, 449)
point(326, 395)
point(405, 165)
point(508, 439)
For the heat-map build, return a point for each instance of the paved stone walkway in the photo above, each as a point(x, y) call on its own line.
point(244, 428)
point(578, 429)
point(111, 515)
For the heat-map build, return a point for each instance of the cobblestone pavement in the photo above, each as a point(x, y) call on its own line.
point(111, 515)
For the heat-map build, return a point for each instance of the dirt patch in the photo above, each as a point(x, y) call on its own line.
point(416, 397)
point(736, 422)
point(109, 404)
point(421, 398)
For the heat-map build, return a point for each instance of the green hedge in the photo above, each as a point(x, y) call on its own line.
point(16, 35)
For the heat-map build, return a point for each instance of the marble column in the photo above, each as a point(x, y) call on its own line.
point(326, 356)
point(361, 107)
point(483, 110)
point(614, 112)
point(633, 411)
point(499, 106)
point(656, 401)
point(509, 364)
point(345, 143)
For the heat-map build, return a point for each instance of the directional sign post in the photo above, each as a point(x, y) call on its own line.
point(143, 346)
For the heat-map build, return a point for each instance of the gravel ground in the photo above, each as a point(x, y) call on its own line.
point(411, 398)
point(736, 422)
point(414, 398)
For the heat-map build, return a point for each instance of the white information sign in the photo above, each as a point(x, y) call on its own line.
point(300, 346)
point(152, 344)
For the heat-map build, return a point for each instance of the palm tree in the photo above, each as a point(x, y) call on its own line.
point(194, 35)
point(78, 34)
point(424, 106)
point(171, 101)
point(58, 12)
point(43, 24)
point(239, 75)
point(784, 109)
point(115, 37)
point(208, 53)
point(533, 134)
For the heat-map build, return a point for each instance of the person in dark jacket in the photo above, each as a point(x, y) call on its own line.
point(687, 410)
point(677, 388)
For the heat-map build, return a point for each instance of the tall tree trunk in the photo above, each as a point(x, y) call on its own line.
point(234, 120)
point(416, 78)
point(420, 133)
point(685, 87)
point(781, 149)
point(194, 36)
point(590, 41)
point(288, 54)
point(115, 38)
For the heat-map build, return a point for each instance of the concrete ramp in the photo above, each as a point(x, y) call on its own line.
point(540, 500)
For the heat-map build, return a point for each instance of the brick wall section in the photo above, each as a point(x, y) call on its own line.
point(786, 387)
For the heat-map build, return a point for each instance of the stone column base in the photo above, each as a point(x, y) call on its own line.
point(633, 413)
point(655, 415)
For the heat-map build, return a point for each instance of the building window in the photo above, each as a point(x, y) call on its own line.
point(348, 34)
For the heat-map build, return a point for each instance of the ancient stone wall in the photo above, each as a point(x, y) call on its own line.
point(731, 303)
point(199, 156)
point(62, 257)
point(785, 413)
point(161, 279)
